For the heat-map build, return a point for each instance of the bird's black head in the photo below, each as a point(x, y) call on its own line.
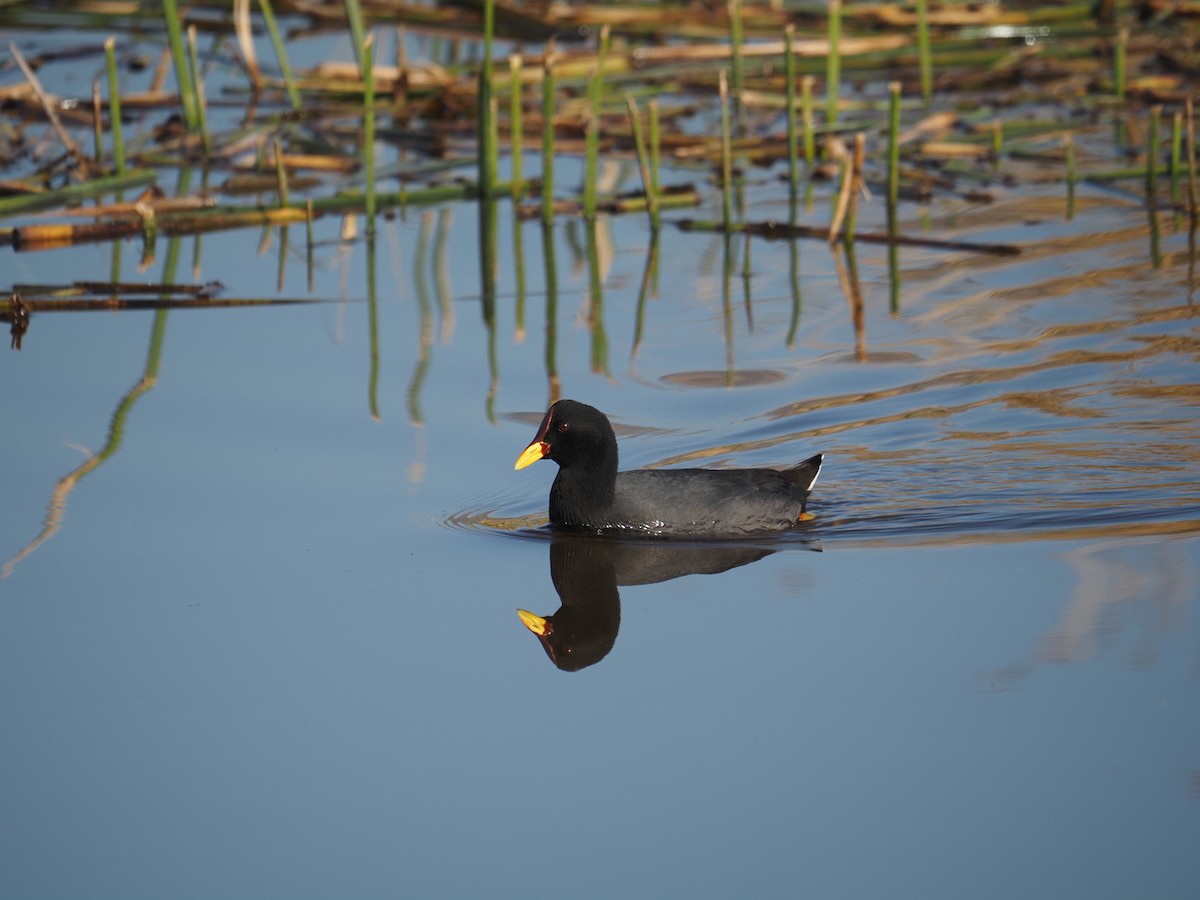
point(574, 434)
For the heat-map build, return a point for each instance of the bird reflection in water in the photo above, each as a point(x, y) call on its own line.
point(587, 572)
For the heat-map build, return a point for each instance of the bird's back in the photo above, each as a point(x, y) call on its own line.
point(705, 501)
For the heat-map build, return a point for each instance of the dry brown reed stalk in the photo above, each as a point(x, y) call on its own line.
point(244, 31)
point(645, 57)
point(49, 107)
point(857, 185)
point(837, 150)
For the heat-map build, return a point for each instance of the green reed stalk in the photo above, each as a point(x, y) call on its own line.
point(893, 187)
point(372, 311)
point(1119, 53)
point(198, 83)
point(281, 180)
point(308, 242)
point(726, 153)
point(1191, 160)
point(591, 142)
point(518, 248)
point(281, 56)
point(548, 136)
point(114, 105)
point(793, 136)
point(97, 124)
point(358, 34)
point(734, 9)
point(833, 63)
point(635, 121)
point(73, 193)
point(924, 54)
point(1152, 140)
point(550, 265)
point(997, 140)
point(488, 152)
point(1069, 152)
point(187, 94)
point(599, 335)
point(655, 147)
point(516, 121)
point(368, 148)
point(1176, 158)
point(806, 113)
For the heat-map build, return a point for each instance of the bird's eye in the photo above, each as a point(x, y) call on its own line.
point(564, 426)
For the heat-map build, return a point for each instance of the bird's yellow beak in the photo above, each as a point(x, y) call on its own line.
point(535, 451)
point(536, 624)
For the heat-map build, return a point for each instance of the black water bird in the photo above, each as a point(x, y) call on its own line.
point(590, 495)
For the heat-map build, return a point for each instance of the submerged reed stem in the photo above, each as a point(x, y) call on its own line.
point(591, 141)
point(1152, 140)
point(793, 136)
point(1069, 153)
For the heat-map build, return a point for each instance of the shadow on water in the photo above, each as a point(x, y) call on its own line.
point(587, 573)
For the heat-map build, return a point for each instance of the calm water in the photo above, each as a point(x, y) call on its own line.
point(258, 630)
